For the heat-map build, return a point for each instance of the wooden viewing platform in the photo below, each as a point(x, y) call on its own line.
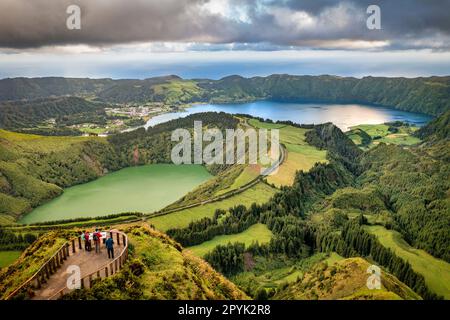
point(50, 281)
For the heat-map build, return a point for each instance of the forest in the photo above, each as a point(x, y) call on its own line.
point(402, 189)
point(426, 95)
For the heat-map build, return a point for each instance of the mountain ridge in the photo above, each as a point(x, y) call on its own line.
point(429, 95)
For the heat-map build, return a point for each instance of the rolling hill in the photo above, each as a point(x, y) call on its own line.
point(427, 95)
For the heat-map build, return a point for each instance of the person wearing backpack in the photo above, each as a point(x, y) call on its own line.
point(97, 235)
point(87, 242)
point(110, 247)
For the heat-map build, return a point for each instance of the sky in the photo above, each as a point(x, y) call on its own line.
point(216, 38)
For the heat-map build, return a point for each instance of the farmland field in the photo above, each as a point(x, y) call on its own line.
point(257, 232)
point(259, 193)
point(300, 155)
point(380, 133)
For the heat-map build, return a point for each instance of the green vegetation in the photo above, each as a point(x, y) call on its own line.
point(435, 271)
point(30, 114)
point(341, 190)
point(250, 173)
point(13, 240)
point(346, 280)
point(259, 193)
point(35, 169)
point(299, 156)
point(30, 261)
point(178, 91)
point(326, 215)
point(159, 269)
point(415, 189)
point(436, 130)
point(427, 95)
point(8, 257)
point(275, 272)
point(141, 189)
point(370, 135)
point(257, 232)
point(218, 184)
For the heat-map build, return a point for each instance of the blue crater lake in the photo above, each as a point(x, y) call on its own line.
point(342, 115)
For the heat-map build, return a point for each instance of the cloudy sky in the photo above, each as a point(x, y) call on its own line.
point(214, 38)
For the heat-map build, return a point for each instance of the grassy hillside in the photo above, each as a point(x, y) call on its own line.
point(34, 169)
point(158, 268)
point(275, 272)
point(259, 193)
point(428, 95)
point(30, 261)
point(299, 156)
point(345, 279)
point(414, 187)
point(8, 257)
point(436, 129)
point(31, 114)
point(257, 232)
point(435, 271)
point(369, 135)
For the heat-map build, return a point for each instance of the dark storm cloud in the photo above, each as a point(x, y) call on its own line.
point(261, 23)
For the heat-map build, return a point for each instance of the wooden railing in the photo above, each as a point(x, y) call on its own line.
point(108, 269)
point(54, 263)
point(45, 271)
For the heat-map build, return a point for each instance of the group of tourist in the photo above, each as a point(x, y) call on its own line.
point(97, 238)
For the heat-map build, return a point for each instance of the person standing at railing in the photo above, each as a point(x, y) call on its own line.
point(97, 240)
point(87, 242)
point(83, 238)
point(110, 247)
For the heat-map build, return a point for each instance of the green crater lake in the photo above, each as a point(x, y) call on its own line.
point(142, 189)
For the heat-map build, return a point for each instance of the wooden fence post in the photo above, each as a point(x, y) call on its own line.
point(73, 245)
point(106, 272)
point(47, 273)
point(118, 239)
point(124, 241)
point(52, 265)
point(79, 243)
point(38, 280)
point(82, 283)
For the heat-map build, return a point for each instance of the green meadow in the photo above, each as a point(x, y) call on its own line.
point(435, 271)
point(300, 155)
point(380, 133)
point(259, 193)
point(257, 232)
point(8, 257)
